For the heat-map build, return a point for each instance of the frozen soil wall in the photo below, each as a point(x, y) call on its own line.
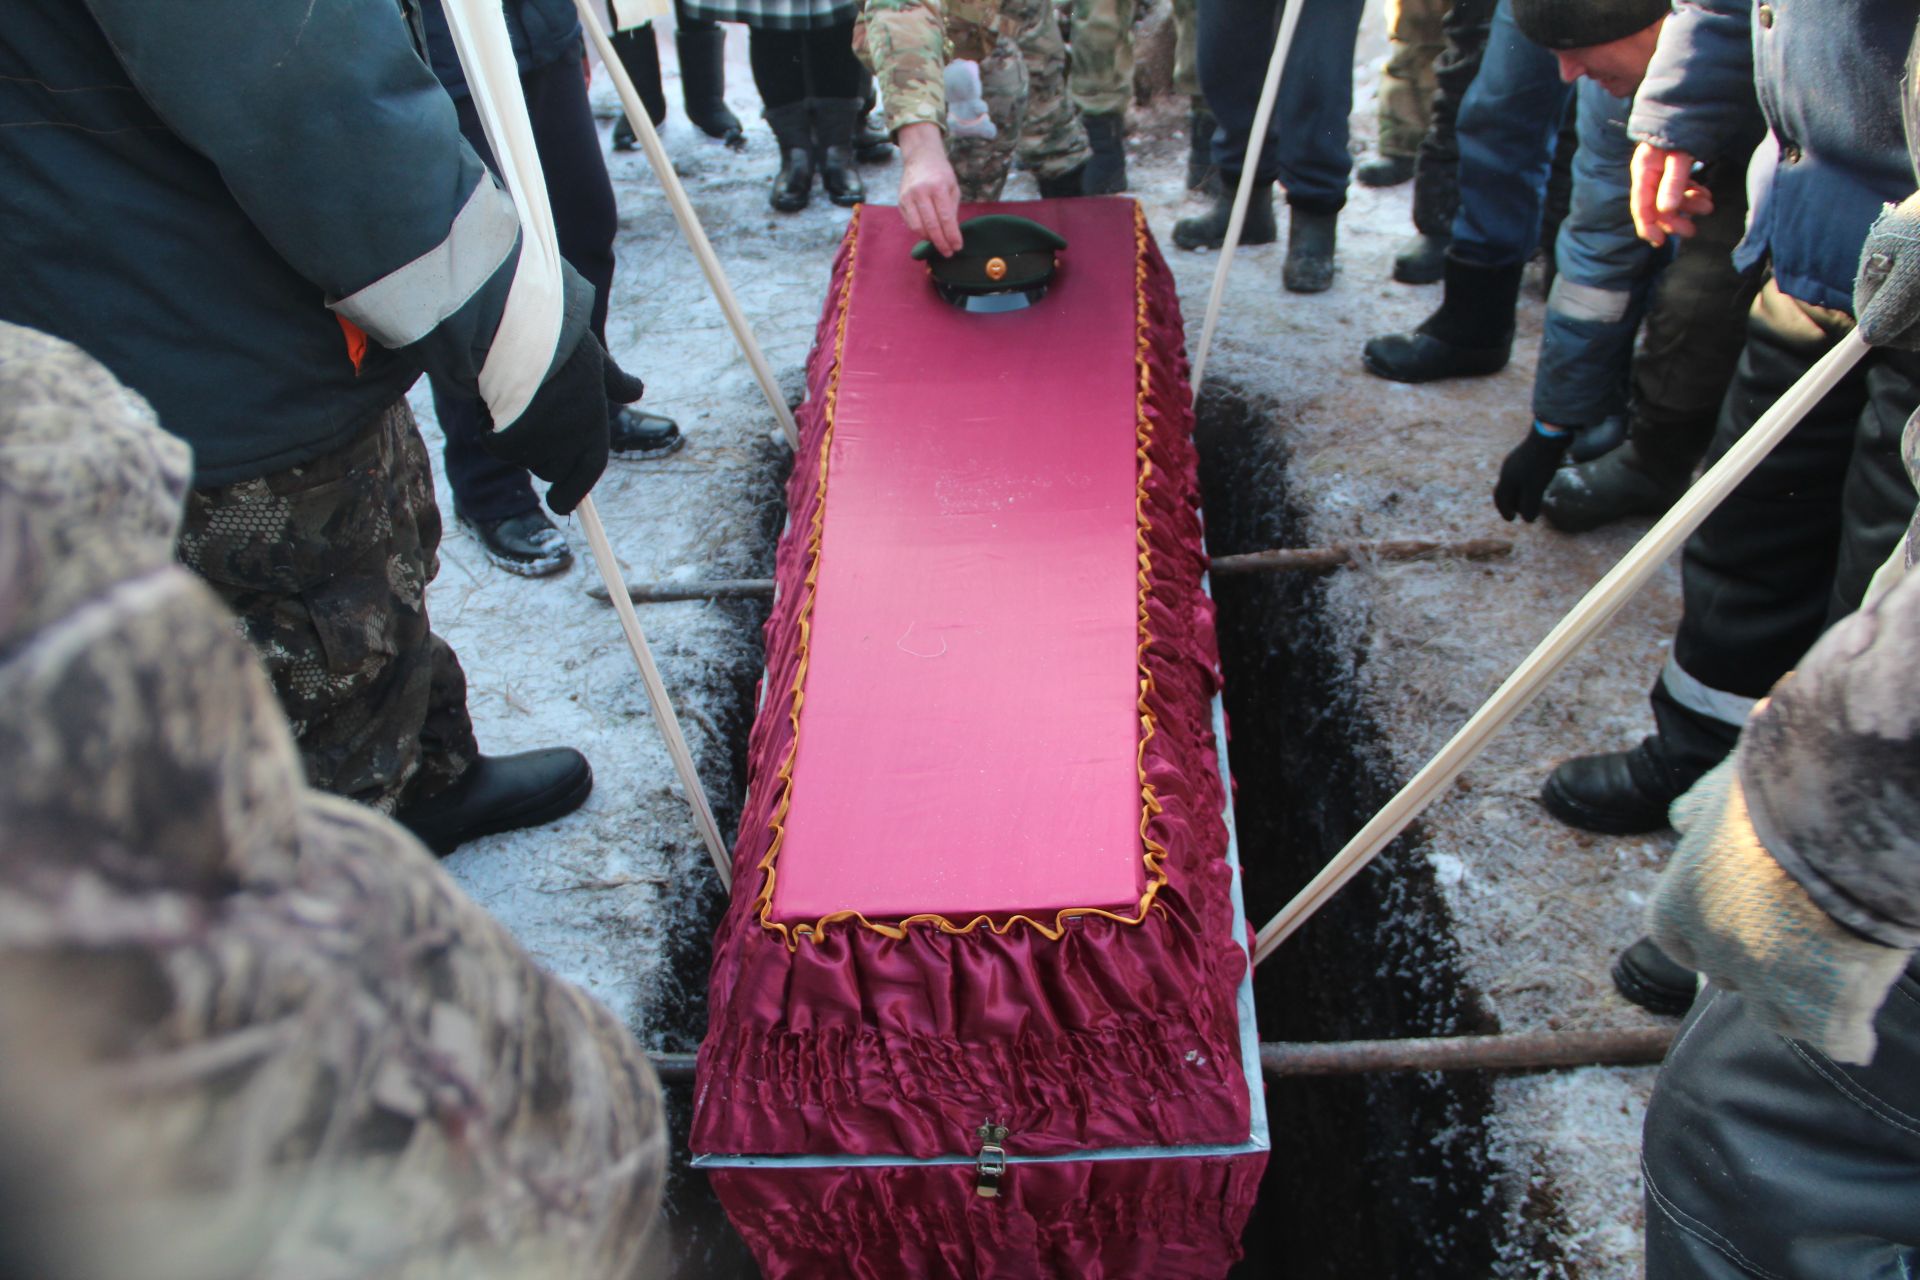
point(1487, 916)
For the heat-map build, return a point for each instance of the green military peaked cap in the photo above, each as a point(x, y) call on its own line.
point(999, 253)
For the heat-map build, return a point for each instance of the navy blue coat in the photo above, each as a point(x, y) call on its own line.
point(1826, 75)
point(542, 31)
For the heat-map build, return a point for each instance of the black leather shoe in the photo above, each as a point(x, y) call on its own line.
point(500, 793)
point(635, 433)
point(1422, 260)
point(528, 544)
point(1209, 230)
point(1310, 245)
point(1654, 980)
point(872, 144)
point(1618, 793)
point(1385, 171)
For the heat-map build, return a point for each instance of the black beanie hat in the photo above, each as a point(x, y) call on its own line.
point(1581, 24)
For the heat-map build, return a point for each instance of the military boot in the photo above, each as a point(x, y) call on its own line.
point(703, 84)
point(1310, 243)
point(793, 129)
point(834, 123)
point(871, 142)
point(1614, 486)
point(1421, 260)
point(1107, 166)
point(1063, 186)
point(1202, 174)
point(640, 57)
point(500, 793)
point(1654, 980)
point(1384, 171)
point(1209, 230)
point(1471, 334)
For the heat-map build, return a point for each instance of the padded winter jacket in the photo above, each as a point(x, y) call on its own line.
point(1826, 75)
point(200, 200)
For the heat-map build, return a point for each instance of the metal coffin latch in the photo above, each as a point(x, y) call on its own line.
point(990, 1166)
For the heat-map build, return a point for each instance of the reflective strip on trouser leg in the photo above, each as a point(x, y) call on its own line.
point(1586, 302)
point(1703, 699)
point(404, 306)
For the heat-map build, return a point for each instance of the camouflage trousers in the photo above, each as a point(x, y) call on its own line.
point(1102, 76)
point(1024, 81)
point(326, 565)
point(1407, 85)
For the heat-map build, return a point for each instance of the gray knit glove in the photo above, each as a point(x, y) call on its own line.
point(1725, 907)
point(1886, 296)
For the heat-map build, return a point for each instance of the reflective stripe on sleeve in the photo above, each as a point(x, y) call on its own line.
point(1586, 302)
point(404, 306)
point(1715, 704)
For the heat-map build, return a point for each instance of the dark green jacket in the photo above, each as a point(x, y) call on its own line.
point(198, 192)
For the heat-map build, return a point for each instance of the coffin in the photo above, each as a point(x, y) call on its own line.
point(981, 1002)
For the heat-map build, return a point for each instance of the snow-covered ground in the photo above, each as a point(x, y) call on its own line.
point(617, 896)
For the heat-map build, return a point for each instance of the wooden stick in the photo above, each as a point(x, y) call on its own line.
point(689, 221)
point(656, 691)
point(1574, 630)
point(1341, 554)
point(1282, 560)
point(1519, 1051)
point(1243, 195)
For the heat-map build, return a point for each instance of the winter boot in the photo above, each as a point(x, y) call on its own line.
point(793, 129)
point(500, 793)
point(1617, 793)
point(834, 123)
point(1202, 175)
point(1471, 333)
point(703, 83)
point(1107, 166)
point(1209, 230)
point(871, 144)
point(641, 58)
point(1422, 260)
point(1654, 980)
point(1384, 171)
point(1614, 486)
point(1063, 186)
point(1310, 241)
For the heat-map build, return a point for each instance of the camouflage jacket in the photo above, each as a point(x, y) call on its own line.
point(251, 1030)
point(1830, 763)
point(906, 44)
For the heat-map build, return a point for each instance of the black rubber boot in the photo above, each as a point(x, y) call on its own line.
point(793, 129)
point(1107, 166)
point(1654, 980)
point(1209, 230)
point(1471, 334)
point(703, 84)
point(500, 793)
point(1422, 260)
point(1202, 175)
point(835, 121)
point(641, 58)
point(1384, 171)
point(1063, 186)
point(1617, 793)
point(1310, 245)
point(1614, 486)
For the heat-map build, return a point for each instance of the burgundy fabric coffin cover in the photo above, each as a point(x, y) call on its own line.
point(933, 970)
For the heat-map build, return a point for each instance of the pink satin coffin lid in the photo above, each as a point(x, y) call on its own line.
point(969, 731)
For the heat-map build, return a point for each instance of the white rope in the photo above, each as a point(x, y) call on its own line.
point(493, 78)
point(1243, 194)
point(1574, 630)
point(689, 223)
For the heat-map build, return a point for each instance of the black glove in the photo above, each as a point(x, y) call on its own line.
point(562, 435)
point(1528, 470)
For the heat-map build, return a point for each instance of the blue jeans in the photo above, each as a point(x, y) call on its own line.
point(1306, 146)
point(1508, 125)
point(484, 488)
point(1605, 271)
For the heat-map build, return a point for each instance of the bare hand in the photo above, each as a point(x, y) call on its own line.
point(929, 193)
point(1665, 199)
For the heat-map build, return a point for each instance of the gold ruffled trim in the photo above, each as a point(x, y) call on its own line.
point(1155, 854)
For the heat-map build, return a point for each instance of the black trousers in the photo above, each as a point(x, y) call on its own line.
point(791, 66)
point(1436, 173)
point(585, 217)
point(1792, 549)
point(1763, 1157)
